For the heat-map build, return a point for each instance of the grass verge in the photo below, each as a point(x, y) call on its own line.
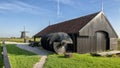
point(81, 61)
point(20, 58)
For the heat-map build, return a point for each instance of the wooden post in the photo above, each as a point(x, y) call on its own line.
point(5, 56)
point(34, 39)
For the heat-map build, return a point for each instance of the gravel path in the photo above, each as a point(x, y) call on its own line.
point(37, 50)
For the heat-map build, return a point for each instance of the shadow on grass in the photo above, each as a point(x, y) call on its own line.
point(61, 56)
point(12, 49)
point(1, 58)
point(1, 61)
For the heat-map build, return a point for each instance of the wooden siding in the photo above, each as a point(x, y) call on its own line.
point(113, 43)
point(97, 43)
point(86, 44)
point(87, 41)
point(101, 41)
point(99, 23)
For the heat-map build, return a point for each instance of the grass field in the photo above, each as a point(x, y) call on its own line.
point(18, 39)
point(1, 59)
point(21, 58)
point(82, 61)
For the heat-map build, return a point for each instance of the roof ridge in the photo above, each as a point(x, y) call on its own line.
point(69, 26)
point(77, 18)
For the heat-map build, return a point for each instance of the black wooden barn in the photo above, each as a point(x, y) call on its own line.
point(90, 33)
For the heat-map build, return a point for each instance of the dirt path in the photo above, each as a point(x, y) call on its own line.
point(37, 50)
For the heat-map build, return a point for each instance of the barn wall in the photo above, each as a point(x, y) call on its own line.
point(113, 43)
point(99, 23)
point(86, 44)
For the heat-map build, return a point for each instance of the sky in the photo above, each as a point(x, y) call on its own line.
point(35, 15)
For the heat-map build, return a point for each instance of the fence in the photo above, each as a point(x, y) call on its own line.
point(5, 56)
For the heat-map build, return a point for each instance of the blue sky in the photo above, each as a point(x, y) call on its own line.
point(36, 14)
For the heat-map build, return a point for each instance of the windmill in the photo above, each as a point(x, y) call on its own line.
point(23, 35)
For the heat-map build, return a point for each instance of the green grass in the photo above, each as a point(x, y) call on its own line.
point(1, 59)
point(82, 61)
point(21, 58)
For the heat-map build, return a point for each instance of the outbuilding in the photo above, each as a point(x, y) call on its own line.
point(90, 33)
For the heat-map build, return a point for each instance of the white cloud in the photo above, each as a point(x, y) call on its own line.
point(72, 3)
point(18, 6)
point(65, 2)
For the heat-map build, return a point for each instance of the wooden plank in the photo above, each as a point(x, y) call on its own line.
point(5, 58)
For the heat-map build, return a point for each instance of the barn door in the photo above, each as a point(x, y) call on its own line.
point(101, 41)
